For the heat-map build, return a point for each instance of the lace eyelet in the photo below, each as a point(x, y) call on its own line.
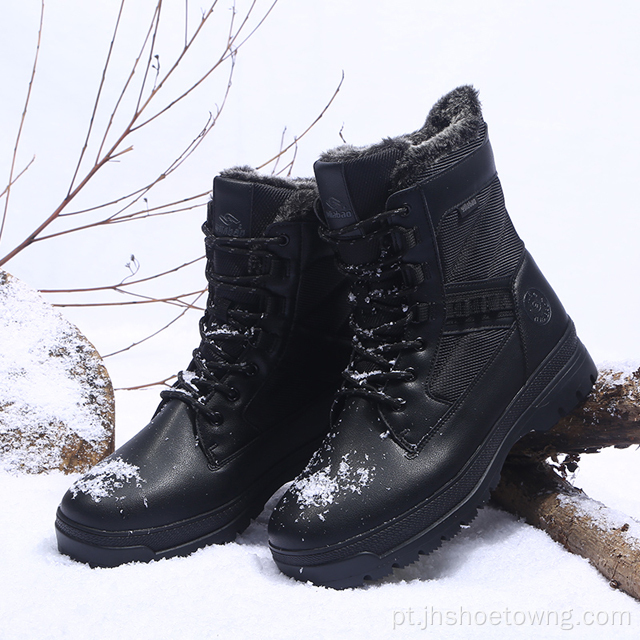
point(217, 418)
point(411, 374)
point(251, 369)
point(406, 210)
point(233, 394)
point(283, 240)
point(422, 345)
point(401, 403)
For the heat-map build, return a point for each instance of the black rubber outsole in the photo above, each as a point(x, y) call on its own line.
point(560, 395)
point(92, 546)
point(105, 556)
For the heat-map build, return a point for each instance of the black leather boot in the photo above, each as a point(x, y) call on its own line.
point(460, 348)
point(252, 406)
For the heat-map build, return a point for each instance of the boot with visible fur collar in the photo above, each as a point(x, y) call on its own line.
point(252, 406)
point(460, 348)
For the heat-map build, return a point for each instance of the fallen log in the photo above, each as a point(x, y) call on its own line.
point(609, 539)
point(609, 417)
point(533, 489)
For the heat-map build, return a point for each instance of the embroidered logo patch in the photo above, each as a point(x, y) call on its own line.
point(537, 306)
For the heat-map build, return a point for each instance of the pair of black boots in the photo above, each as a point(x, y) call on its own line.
point(415, 289)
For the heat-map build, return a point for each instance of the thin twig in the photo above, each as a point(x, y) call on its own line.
point(18, 176)
point(138, 215)
point(133, 271)
point(164, 206)
point(123, 284)
point(97, 100)
point(231, 23)
point(126, 85)
point(275, 166)
point(155, 333)
point(145, 300)
point(155, 27)
point(141, 107)
point(149, 384)
point(22, 119)
point(304, 133)
point(261, 21)
point(186, 21)
point(290, 164)
point(175, 300)
point(293, 160)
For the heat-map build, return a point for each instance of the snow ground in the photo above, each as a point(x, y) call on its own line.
point(496, 567)
point(558, 85)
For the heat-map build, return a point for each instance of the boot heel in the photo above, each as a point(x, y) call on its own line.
point(569, 387)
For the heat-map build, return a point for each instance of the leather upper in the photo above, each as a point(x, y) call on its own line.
point(489, 320)
point(189, 462)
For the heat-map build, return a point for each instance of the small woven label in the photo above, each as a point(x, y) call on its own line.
point(468, 207)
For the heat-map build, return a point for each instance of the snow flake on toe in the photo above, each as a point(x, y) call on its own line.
point(107, 476)
point(316, 490)
point(320, 488)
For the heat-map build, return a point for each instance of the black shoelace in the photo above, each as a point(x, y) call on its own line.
point(370, 254)
point(227, 328)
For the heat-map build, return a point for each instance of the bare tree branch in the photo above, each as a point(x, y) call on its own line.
point(186, 21)
point(148, 92)
point(115, 149)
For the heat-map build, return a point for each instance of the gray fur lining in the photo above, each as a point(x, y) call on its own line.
point(347, 152)
point(303, 191)
point(247, 174)
point(453, 122)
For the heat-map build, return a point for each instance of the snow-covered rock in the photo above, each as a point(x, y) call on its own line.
point(56, 398)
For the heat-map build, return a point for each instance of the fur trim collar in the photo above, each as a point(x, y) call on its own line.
point(303, 191)
point(454, 122)
point(247, 174)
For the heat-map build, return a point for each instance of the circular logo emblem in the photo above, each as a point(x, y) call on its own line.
point(537, 306)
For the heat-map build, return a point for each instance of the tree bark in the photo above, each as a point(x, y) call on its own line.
point(531, 488)
point(610, 417)
point(608, 539)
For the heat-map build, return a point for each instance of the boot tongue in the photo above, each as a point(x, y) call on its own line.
point(352, 191)
point(356, 189)
point(239, 209)
point(230, 209)
point(243, 209)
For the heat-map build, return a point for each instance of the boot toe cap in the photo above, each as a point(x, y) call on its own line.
point(107, 497)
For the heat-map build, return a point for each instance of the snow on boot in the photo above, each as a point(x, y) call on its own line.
point(460, 348)
point(252, 406)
